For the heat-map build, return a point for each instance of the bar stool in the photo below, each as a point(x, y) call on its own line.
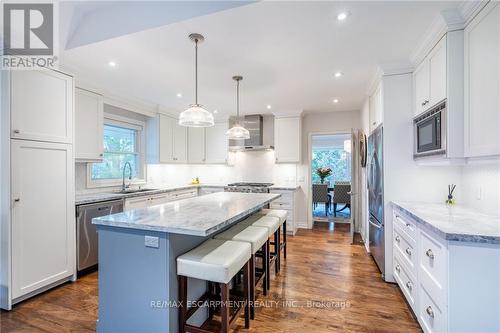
point(273, 226)
point(258, 237)
point(282, 215)
point(215, 261)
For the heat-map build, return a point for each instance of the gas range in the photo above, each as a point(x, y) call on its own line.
point(248, 187)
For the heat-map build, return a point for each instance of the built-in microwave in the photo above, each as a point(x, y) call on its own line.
point(430, 132)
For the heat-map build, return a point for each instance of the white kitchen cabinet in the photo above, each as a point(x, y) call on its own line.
point(43, 215)
point(288, 202)
point(196, 145)
point(482, 83)
point(376, 108)
point(216, 143)
point(204, 190)
point(287, 139)
point(444, 280)
point(158, 199)
point(40, 103)
point(430, 78)
point(166, 140)
point(89, 122)
point(183, 194)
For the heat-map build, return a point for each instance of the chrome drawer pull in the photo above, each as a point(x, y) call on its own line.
point(429, 253)
point(429, 311)
point(408, 251)
point(409, 285)
point(408, 225)
point(16, 131)
point(398, 268)
point(398, 239)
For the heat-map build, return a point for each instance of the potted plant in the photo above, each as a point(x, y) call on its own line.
point(323, 173)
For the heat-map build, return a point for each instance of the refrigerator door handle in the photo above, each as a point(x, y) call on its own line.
point(376, 225)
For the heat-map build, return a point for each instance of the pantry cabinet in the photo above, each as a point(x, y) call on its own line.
point(89, 121)
point(482, 83)
point(39, 101)
point(287, 139)
point(430, 77)
point(43, 215)
point(166, 140)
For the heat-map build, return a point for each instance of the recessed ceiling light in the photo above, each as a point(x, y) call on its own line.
point(268, 106)
point(179, 95)
point(335, 100)
point(112, 64)
point(342, 16)
point(339, 74)
point(215, 111)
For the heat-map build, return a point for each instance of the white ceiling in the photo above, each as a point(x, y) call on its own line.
point(287, 53)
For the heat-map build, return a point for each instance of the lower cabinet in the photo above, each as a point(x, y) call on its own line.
point(287, 201)
point(43, 215)
point(450, 285)
point(208, 190)
point(158, 199)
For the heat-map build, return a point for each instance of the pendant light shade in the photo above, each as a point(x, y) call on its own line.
point(196, 115)
point(238, 132)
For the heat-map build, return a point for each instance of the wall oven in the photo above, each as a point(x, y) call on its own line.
point(430, 132)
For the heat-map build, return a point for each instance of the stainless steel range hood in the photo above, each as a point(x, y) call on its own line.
point(261, 130)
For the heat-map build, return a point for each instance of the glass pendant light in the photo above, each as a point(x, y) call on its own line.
point(196, 115)
point(238, 132)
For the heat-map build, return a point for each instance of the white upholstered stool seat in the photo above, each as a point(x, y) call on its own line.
point(270, 222)
point(215, 260)
point(279, 213)
point(256, 236)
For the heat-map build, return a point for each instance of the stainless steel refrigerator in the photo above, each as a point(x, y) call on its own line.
point(376, 197)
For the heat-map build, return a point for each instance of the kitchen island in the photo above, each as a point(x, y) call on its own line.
point(138, 251)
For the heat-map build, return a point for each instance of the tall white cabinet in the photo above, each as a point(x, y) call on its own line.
point(482, 83)
point(38, 224)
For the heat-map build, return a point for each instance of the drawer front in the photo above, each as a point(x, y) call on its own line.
point(286, 196)
point(281, 205)
point(431, 316)
point(432, 265)
point(178, 195)
point(407, 226)
point(406, 249)
point(406, 283)
point(158, 199)
point(136, 203)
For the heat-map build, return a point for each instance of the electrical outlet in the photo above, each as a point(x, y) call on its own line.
point(151, 241)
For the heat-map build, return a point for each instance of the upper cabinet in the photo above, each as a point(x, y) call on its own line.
point(430, 78)
point(88, 125)
point(196, 145)
point(208, 145)
point(288, 139)
point(42, 106)
point(166, 140)
point(482, 83)
point(376, 108)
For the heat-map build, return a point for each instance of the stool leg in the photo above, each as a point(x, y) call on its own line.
point(247, 291)
point(267, 281)
point(182, 282)
point(284, 240)
point(278, 248)
point(275, 253)
point(252, 286)
point(224, 308)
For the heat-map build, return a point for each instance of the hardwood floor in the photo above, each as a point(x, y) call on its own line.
point(322, 267)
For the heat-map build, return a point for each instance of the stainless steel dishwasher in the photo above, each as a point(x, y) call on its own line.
point(86, 232)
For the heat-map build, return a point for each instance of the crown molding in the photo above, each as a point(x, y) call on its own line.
point(470, 9)
point(388, 69)
point(289, 114)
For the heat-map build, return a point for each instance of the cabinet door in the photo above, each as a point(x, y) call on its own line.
point(136, 203)
point(287, 139)
point(180, 143)
point(42, 106)
point(196, 145)
point(43, 214)
point(88, 125)
point(376, 108)
point(482, 83)
point(158, 199)
point(166, 139)
point(216, 144)
point(421, 84)
point(437, 73)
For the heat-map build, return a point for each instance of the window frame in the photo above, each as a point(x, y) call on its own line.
point(140, 127)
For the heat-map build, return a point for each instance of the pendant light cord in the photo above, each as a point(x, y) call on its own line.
point(196, 71)
point(238, 100)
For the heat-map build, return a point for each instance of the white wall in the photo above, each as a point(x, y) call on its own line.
point(481, 187)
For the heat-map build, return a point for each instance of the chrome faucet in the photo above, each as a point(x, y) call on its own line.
point(124, 188)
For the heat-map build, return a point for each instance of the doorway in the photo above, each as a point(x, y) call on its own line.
point(332, 178)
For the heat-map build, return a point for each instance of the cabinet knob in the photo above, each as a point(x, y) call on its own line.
point(408, 251)
point(16, 131)
point(429, 253)
point(101, 155)
point(398, 239)
point(429, 311)
point(17, 199)
point(398, 268)
point(409, 285)
point(374, 123)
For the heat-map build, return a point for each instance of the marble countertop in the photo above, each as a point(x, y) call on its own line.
point(87, 198)
point(456, 223)
point(285, 187)
point(197, 216)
